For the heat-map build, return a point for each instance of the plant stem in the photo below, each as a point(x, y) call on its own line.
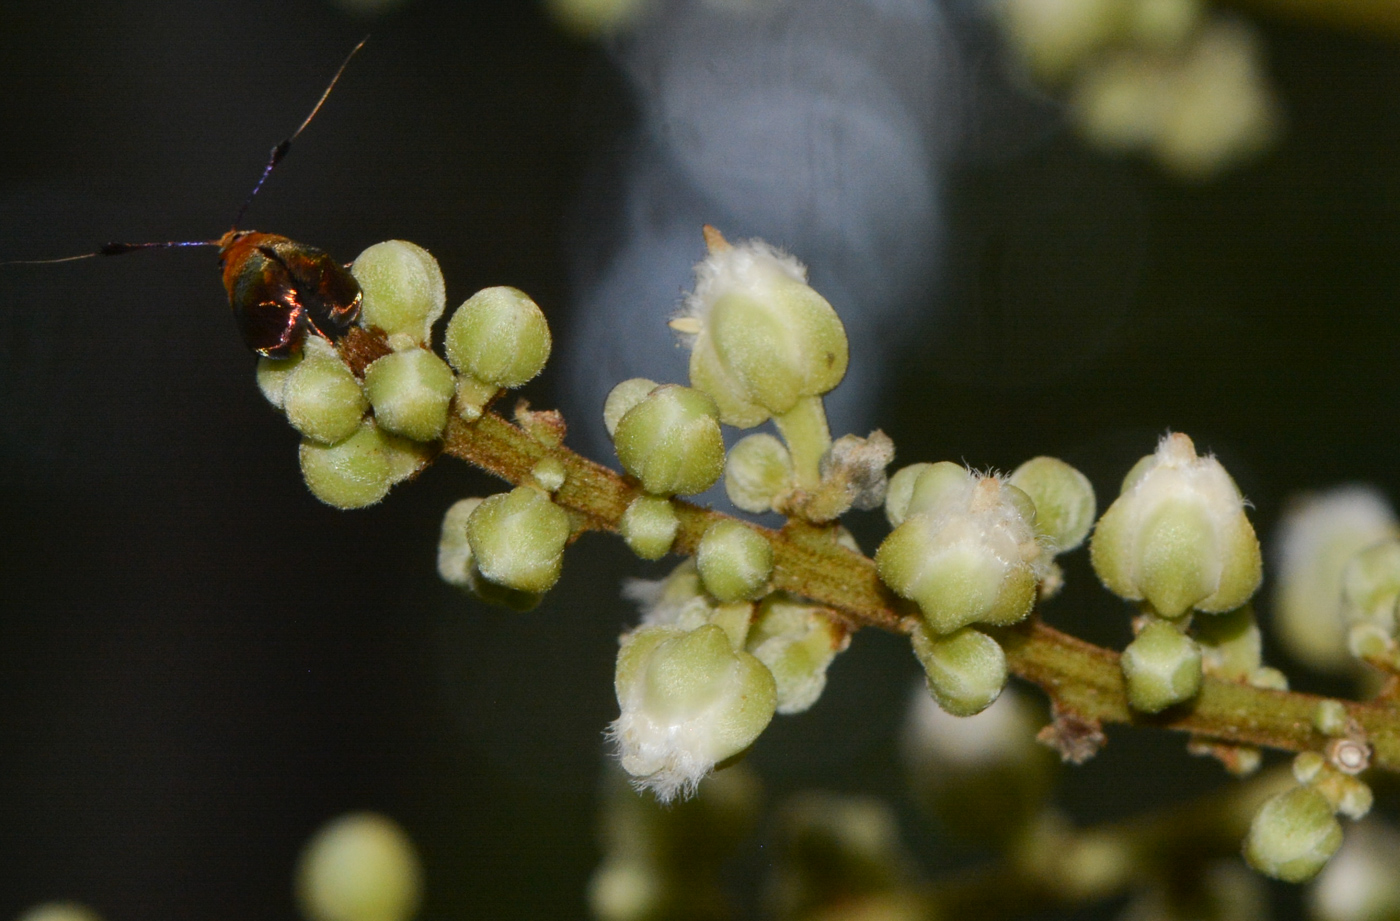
point(807, 435)
point(1081, 679)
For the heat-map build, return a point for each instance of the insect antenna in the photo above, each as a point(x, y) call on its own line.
point(280, 151)
point(113, 249)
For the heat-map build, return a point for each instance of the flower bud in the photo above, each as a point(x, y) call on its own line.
point(762, 339)
point(671, 441)
point(549, 474)
point(1162, 666)
point(966, 670)
point(679, 600)
point(1231, 646)
point(971, 556)
point(321, 397)
point(797, 642)
point(498, 336)
point(649, 526)
point(410, 392)
point(622, 398)
point(1053, 39)
point(457, 564)
point(360, 867)
point(925, 488)
point(1063, 497)
point(757, 472)
point(1317, 537)
point(1293, 835)
point(840, 857)
point(984, 776)
point(735, 561)
point(1177, 536)
point(272, 376)
point(59, 911)
point(1371, 585)
point(349, 474)
point(518, 539)
point(1164, 24)
point(852, 475)
point(689, 701)
point(1360, 883)
point(404, 292)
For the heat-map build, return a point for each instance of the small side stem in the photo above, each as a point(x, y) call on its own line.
point(807, 435)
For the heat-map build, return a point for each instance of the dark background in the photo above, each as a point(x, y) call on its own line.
point(200, 664)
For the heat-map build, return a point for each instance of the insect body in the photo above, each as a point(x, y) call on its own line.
point(281, 290)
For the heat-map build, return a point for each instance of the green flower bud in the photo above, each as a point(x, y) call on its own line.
point(1270, 678)
point(622, 398)
point(1177, 536)
point(1360, 883)
point(1053, 39)
point(518, 539)
point(272, 376)
point(349, 474)
point(761, 339)
point(925, 488)
point(966, 670)
point(404, 292)
point(984, 776)
point(1293, 835)
point(549, 474)
point(321, 397)
point(1231, 646)
point(689, 701)
point(1063, 497)
point(649, 526)
point(1162, 666)
point(360, 867)
point(797, 641)
point(734, 560)
point(1317, 537)
point(757, 472)
point(498, 336)
point(1331, 718)
point(1371, 585)
point(59, 911)
point(971, 556)
point(457, 564)
point(410, 392)
point(671, 441)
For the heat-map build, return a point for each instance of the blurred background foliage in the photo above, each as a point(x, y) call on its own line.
point(199, 664)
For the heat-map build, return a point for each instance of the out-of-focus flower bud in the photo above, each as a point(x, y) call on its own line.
point(1164, 24)
point(671, 441)
point(966, 669)
point(1177, 536)
point(689, 701)
point(410, 392)
point(457, 565)
point(761, 339)
point(1317, 537)
point(518, 539)
point(59, 911)
point(679, 600)
point(757, 472)
point(360, 867)
point(404, 292)
point(649, 526)
point(797, 641)
point(322, 399)
point(1162, 666)
point(1360, 883)
point(970, 552)
point(498, 337)
point(1371, 585)
point(734, 560)
point(1293, 835)
point(1221, 891)
point(1063, 497)
point(1053, 37)
point(984, 776)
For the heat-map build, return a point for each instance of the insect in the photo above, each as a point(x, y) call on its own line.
point(280, 290)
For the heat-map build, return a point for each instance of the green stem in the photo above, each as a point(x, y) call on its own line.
point(1081, 679)
point(805, 430)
